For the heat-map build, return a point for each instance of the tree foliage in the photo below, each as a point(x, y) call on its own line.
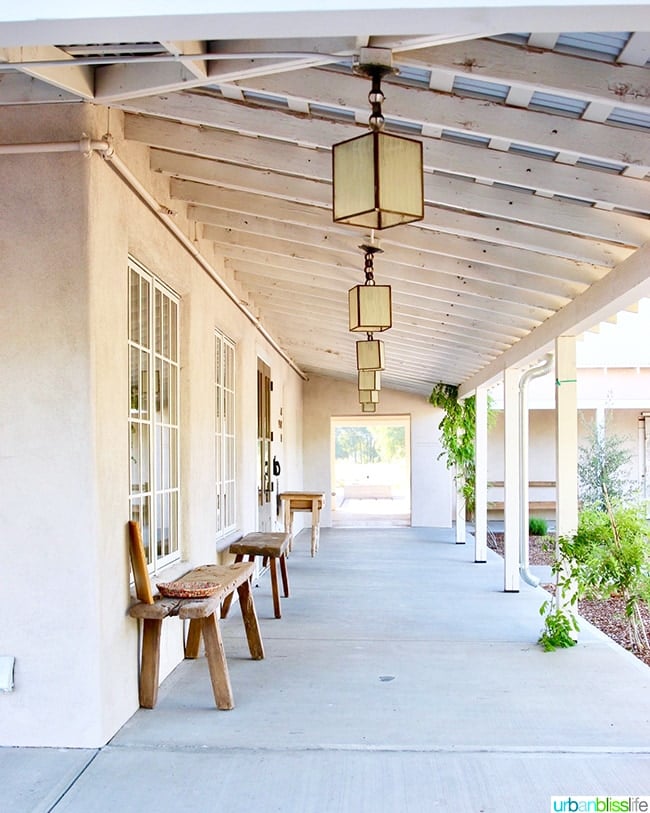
point(603, 468)
point(458, 436)
point(355, 443)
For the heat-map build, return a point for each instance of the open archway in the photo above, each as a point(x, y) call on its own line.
point(371, 471)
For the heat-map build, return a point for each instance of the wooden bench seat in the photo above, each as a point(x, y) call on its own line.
point(202, 613)
point(272, 547)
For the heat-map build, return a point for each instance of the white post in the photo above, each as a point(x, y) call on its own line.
point(566, 417)
point(481, 458)
point(461, 526)
point(511, 505)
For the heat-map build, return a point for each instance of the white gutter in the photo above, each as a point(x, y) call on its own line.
point(534, 372)
point(87, 146)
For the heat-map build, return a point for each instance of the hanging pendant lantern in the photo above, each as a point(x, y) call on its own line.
point(369, 380)
point(370, 305)
point(377, 178)
point(370, 354)
point(368, 397)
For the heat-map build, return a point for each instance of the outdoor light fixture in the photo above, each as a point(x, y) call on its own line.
point(368, 397)
point(377, 178)
point(369, 380)
point(368, 407)
point(370, 304)
point(370, 354)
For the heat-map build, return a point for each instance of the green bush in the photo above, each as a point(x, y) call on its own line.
point(537, 526)
point(609, 554)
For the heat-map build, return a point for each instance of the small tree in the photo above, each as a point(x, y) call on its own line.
point(603, 468)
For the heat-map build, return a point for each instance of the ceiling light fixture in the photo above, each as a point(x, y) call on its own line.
point(377, 178)
point(370, 304)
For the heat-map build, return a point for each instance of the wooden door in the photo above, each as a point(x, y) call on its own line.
point(264, 438)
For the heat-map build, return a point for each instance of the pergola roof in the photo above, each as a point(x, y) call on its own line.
point(536, 155)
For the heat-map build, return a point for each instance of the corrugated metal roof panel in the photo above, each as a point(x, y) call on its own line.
point(469, 86)
point(533, 152)
point(557, 104)
point(603, 166)
point(465, 138)
point(629, 118)
point(606, 45)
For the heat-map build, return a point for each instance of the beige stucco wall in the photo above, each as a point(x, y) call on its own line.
point(66, 230)
point(431, 482)
point(541, 455)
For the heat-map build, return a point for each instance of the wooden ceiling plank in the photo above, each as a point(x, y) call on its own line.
point(476, 116)
point(466, 161)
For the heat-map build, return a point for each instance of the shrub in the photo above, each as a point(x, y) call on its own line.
point(537, 526)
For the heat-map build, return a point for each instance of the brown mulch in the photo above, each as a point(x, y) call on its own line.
point(608, 615)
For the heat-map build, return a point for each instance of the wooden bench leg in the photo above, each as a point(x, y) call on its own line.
point(273, 567)
point(251, 624)
point(225, 606)
point(285, 576)
point(193, 639)
point(217, 663)
point(150, 662)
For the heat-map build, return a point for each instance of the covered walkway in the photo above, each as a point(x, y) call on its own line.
point(400, 678)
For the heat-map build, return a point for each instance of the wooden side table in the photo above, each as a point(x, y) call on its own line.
point(303, 501)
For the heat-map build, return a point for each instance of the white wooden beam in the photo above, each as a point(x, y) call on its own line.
point(475, 116)
point(624, 285)
point(61, 71)
point(524, 69)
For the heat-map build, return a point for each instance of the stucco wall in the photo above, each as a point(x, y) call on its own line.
point(431, 484)
point(66, 232)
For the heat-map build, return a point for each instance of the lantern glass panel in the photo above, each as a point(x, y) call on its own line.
point(368, 407)
point(369, 380)
point(378, 181)
point(370, 308)
point(370, 355)
point(368, 397)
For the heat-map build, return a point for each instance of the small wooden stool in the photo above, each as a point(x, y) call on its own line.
point(272, 547)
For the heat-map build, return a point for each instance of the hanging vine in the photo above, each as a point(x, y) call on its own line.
point(458, 435)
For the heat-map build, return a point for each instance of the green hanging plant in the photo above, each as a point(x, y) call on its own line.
point(458, 436)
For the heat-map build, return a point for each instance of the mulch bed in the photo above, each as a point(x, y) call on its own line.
point(608, 615)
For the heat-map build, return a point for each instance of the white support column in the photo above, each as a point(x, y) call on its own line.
point(461, 527)
point(481, 458)
point(566, 417)
point(511, 479)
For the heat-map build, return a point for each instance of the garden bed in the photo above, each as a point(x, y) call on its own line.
point(608, 615)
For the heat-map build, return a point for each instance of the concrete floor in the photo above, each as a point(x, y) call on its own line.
point(400, 678)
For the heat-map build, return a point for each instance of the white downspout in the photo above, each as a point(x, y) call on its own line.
point(534, 372)
point(104, 146)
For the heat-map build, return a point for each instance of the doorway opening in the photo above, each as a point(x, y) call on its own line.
point(371, 471)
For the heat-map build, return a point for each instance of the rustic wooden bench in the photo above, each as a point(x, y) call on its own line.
point(272, 547)
point(202, 614)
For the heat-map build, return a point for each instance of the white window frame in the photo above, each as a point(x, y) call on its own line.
point(154, 431)
point(225, 436)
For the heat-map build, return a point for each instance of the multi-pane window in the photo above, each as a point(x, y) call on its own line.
point(154, 415)
point(224, 433)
